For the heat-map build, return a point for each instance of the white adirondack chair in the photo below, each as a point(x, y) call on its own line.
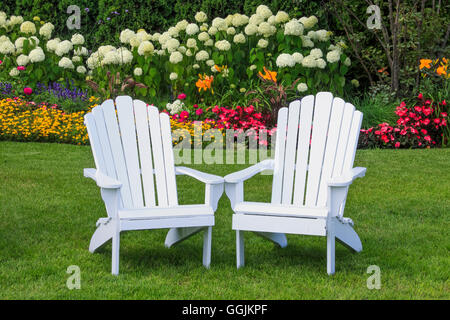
point(132, 147)
point(313, 166)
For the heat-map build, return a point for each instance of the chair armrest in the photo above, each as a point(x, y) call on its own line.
point(347, 178)
point(249, 172)
point(200, 176)
point(103, 181)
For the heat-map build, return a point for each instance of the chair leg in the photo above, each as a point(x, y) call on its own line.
point(239, 248)
point(331, 242)
point(207, 238)
point(115, 253)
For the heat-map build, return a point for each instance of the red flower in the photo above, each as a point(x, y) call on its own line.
point(199, 111)
point(397, 144)
point(249, 109)
point(420, 96)
point(427, 138)
point(424, 131)
point(216, 109)
point(27, 90)
point(182, 96)
point(184, 115)
point(21, 68)
point(443, 114)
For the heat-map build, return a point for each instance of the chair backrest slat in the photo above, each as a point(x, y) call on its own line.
point(127, 126)
point(331, 147)
point(168, 159)
point(97, 114)
point(321, 121)
point(291, 144)
point(317, 139)
point(158, 155)
point(145, 152)
point(132, 143)
point(280, 148)
point(304, 138)
point(115, 141)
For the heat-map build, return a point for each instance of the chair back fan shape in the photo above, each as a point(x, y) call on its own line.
point(316, 141)
point(132, 142)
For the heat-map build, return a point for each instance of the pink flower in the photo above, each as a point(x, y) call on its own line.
point(27, 90)
point(184, 115)
point(199, 111)
point(397, 144)
point(443, 114)
point(182, 96)
point(427, 138)
point(420, 96)
point(21, 68)
point(249, 109)
point(1, 61)
point(216, 109)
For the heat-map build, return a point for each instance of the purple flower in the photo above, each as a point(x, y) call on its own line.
point(86, 9)
point(108, 18)
point(126, 10)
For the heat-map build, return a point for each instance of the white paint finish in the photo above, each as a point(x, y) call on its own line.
point(124, 106)
point(123, 155)
point(291, 144)
point(293, 225)
point(322, 112)
point(280, 148)
point(322, 161)
point(145, 152)
point(109, 112)
point(304, 137)
point(158, 155)
point(169, 162)
point(330, 151)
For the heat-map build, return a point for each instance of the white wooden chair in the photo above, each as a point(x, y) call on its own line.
point(313, 167)
point(132, 147)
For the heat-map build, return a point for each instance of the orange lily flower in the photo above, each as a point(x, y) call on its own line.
point(269, 75)
point(425, 63)
point(204, 82)
point(441, 70)
point(220, 69)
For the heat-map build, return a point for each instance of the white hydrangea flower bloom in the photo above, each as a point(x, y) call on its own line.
point(189, 53)
point(36, 55)
point(28, 27)
point(333, 56)
point(173, 76)
point(272, 20)
point(172, 45)
point(63, 47)
point(191, 43)
point(111, 57)
point(173, 31)
point(81, 69)
point(181, 25)
point(142, 35)
point(251, 29)
point(293, 28)
point(203, 36)
point(309, 62)
point(200, 17)
point(46, 30)
point(252, 67)
point(202, 55)
point(155, 36)
point(321, 64)
point(323, 35)
point(281, 17)
point(264, 11)
point(239, 38)
point(231, 31)
point(7, 47)
point(220, 24)
point(298, 57)
point(256, 19)
point(103, 50)
point(239, 20)
point(347, 62)
point(204, 27)
point(77, 39)
point(182, 49)
point(19, 42)
point(309, 22)
point(175, 57)
point(212, 30)
point(285, 60)
point(126, 35)
point(262, 43)
point(192, 29)
point(196, 66)
point(14, 72)
point(316, 53)
point(76, 59)
point(22, 60)
point(66, 63)
point(306, 42)
point(209, 43)
point(302, 87)
point(125, 55)
point(210, 63)
point(223, 45)
point(145, 48)
point(138, 72)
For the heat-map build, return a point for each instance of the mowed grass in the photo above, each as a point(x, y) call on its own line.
point(48, 212)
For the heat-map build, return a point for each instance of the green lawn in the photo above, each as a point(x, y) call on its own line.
point(48, 212)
